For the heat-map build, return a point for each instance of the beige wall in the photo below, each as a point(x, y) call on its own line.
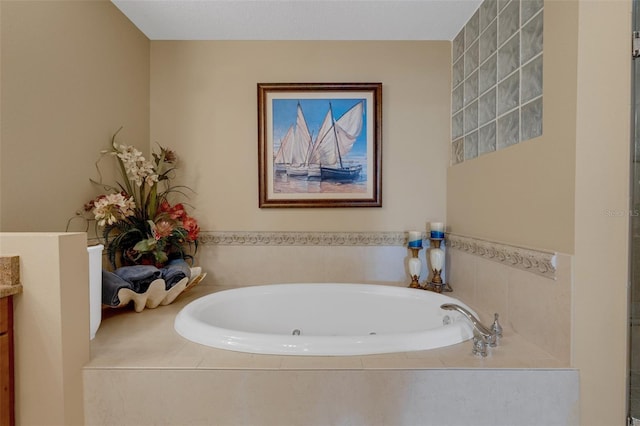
point(524, 194)
point(602, 185)
point(72, 73)
point(555, 192)
point(204, 102)
point(51, 321)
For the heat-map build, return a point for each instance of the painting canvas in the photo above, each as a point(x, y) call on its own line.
point(319, 144)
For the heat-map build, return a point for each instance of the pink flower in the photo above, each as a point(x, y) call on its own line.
point(191, 226)
point(176, 212)
point(164, 207)
point(163, 228)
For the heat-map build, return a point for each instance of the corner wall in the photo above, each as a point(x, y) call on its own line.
point(72, 73)
point(51, 323)
point(523, 194)
point(602, 185)
point(204, 103)
point(557, 192)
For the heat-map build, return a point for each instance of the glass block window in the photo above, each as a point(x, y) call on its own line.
point(496, 94)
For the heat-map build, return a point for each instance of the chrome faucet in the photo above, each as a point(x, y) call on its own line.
point(482, 335)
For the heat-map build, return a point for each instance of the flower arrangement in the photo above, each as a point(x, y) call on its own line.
point(139, 224)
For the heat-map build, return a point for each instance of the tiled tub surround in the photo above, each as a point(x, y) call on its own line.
point(529, 288)
point(496, 97)
point(532, 295)
point(252, 258)
point(142, 372)
point(139, 363)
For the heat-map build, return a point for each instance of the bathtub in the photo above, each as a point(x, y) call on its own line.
point(323, 319)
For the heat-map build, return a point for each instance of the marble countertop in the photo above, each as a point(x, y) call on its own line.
point(127, 339)
point(10, 290)
point(10, 276)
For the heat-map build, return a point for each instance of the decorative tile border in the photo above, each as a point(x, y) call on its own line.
point(257, 238)
point(536, 261)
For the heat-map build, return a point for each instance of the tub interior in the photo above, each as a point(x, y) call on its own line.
point(321, 313)
point(323, 319)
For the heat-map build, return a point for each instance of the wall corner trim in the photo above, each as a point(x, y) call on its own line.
point(539, 262)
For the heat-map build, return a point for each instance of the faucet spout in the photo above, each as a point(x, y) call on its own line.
point(487, 335)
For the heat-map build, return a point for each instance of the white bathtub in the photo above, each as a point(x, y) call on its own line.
point(323, 319)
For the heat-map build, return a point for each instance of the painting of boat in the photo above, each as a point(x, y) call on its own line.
point(319, 144)
point(334, 142)
point(283, 156)
point(341, 173)
point(300, 156)
point(293, 154)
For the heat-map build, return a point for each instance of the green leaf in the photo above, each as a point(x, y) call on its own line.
point(161, 257)
point(145, 246)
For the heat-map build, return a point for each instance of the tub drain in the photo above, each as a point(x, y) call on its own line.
point(296, 332)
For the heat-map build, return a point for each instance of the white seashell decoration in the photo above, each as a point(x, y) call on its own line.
point(156, 295)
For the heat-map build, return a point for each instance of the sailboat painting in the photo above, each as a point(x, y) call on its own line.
point(320, 144)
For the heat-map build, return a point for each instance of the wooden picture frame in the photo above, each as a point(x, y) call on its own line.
point(320, 144)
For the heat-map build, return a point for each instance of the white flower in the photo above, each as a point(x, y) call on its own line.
point(138, 169)
point(110, 208)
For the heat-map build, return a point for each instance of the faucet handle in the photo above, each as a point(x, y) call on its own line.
point(496, 328)
point(479, 345)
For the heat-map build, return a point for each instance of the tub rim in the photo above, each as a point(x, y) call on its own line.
point(200, 332)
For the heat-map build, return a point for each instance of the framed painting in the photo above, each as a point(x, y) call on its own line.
point(320, 144)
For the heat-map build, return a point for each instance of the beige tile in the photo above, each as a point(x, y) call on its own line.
point(515, 346)
point(214, 358)
point(392, 355)
point(540, 310)
point(249, 362)
point(408, 364)
point(321, 363)
point(255, 265)
point(552, 363)
point(452, 350)
point(495, 358)
point(401, 363)
point(491, 289)
point(341, 264)
point(389, 265)
point(147, 340)
point(462, 276)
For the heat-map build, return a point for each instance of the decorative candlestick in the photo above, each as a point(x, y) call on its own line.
point(415, 265)
point(437, 259)
point(415, 239)
point(437, 230)
point(436, 256)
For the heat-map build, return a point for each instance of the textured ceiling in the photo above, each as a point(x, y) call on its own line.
point(299, 19)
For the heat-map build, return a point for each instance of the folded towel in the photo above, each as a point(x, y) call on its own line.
point(175, 271)
point(111, 284)
point(138, 278)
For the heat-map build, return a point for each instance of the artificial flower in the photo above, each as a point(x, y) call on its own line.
point(139, 223)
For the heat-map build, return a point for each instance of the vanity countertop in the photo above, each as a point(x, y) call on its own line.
point(10, 276)
point(10, 290)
